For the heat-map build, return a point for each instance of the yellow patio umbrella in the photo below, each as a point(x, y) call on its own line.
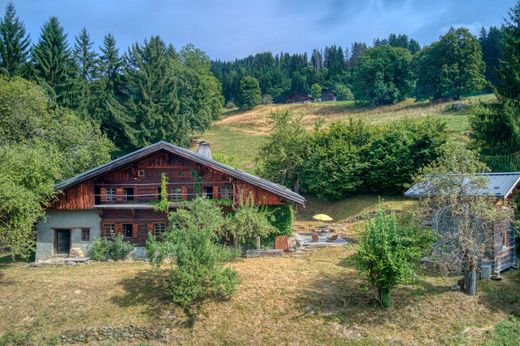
point(322, 217)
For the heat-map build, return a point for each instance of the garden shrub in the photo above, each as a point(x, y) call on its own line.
point(505, 333)
point(103, 249)
point(388, 253)
point(281, 218)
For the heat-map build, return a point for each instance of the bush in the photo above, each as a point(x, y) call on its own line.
point(281, 218)
point(117, 249)
point(230, 105)
point(343, 92)
point(247, 223)
point(505, 333)
point(99, 250)
point(388, 253)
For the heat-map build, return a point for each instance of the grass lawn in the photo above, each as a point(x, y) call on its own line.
point(316, 299)
point(240, 134)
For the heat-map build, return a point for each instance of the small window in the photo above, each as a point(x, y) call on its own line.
point(85, 234)
point(158, 229)
point(127, 230)
point(176, 193)
point(110, 194)
point(140, 173)
point(128, 194)
point(208, 192)
point(225, 192)
point(109, 230)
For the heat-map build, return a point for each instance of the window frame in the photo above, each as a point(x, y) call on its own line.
point(229, 189)
point(123, 231)
point(85, 230)
point(113, 230)
point(110, 194)
point(176, 193)
point(128, 197)
point(154, 228)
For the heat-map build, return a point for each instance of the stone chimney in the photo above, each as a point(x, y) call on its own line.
point(204, 149)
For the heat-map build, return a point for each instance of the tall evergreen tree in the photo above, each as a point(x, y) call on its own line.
point(86, 60)
point(14, 43)
point(54, 66)
point(509, 68)
point(152, 94)
point(491, 45)
point(107, 108)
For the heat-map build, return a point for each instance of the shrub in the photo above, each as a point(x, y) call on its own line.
point(281, 218)
point(230, 105)
point(248, 223)
point(388, 253)
point(99, 250)
point(505, 333)
point(343, 92)
point(117, 249)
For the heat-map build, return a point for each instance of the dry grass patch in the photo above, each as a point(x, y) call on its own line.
point(315, 299)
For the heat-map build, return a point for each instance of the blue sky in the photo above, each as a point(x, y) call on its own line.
point(227, 29)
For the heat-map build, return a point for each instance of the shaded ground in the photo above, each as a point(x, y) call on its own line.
point(315, 299)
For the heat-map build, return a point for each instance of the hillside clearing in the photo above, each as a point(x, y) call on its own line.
point(240, 134)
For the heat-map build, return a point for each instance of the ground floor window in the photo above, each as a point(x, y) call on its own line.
point(127, 230)
point(85, 234)
point(225, 191)
point(109, 230)
point(176, 193)
point(158, 229)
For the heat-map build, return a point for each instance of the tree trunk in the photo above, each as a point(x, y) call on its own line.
point(258, 244)
point(470, 277)
point(297, 185)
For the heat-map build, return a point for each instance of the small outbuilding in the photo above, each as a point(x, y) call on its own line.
point(328, 95)
point(503, 187)
point(298, 98)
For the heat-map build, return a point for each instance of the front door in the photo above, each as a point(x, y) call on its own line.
point(62, 241)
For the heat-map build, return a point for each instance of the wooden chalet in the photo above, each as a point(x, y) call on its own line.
point(118, 197)
point(298, 98)
point(502, 187)
point(328, 95)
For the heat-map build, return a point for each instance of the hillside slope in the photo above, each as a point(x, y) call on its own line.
point(239, 135)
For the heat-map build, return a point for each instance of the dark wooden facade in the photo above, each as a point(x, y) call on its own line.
point(124, 197)
point(328, 95)
point(298, 98)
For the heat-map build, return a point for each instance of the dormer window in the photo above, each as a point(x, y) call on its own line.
point(140, 173)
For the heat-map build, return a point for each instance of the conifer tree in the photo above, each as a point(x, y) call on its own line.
point(14, 43)
point(53, 63)
point(509, 68)
point(152, 96)
point(86, 60)
point(107, 89)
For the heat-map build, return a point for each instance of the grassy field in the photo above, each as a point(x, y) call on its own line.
point(240, 134)
point(317, 299)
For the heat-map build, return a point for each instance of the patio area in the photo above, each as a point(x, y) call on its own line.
point(324, 239)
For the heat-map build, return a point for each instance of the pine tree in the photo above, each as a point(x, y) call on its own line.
point(152, 94)
point(86, 60)
point(53, 63)
point(250, 95)
point(14, 43)
point(509, 68)
point(107, 108)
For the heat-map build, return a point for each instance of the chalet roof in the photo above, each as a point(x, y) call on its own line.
point(299, 94)
point(500, 185)
point(187, 154)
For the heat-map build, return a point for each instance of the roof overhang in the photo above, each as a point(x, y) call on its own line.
point(189, 155)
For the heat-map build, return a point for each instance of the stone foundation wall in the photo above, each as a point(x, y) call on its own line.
point(74, 220)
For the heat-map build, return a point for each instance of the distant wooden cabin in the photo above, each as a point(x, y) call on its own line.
point(118, 197)
point(503, 187)
point(298, 98)
point(328, 95)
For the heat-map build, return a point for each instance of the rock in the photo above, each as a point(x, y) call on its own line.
point(71, 263)
point(76, 252)
point(455, 288)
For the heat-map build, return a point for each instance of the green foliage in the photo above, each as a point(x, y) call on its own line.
point(343, 92)
point(452, 67)
point(103, 249)
point(99, 249)
point(190, 242)
point(334, 165)
point(281, 218)
point(505, 333)
point(163, 205)
point(250, 95)
point(14, 44)
point(282, 156)
point(23, 193)
point(247, 223)
point(14, 338)
point(509, 66)
point(384, 75)
point(119, 248)
point(316, 91)
point(388, 253)
point(398, 151)
point(54, 67)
